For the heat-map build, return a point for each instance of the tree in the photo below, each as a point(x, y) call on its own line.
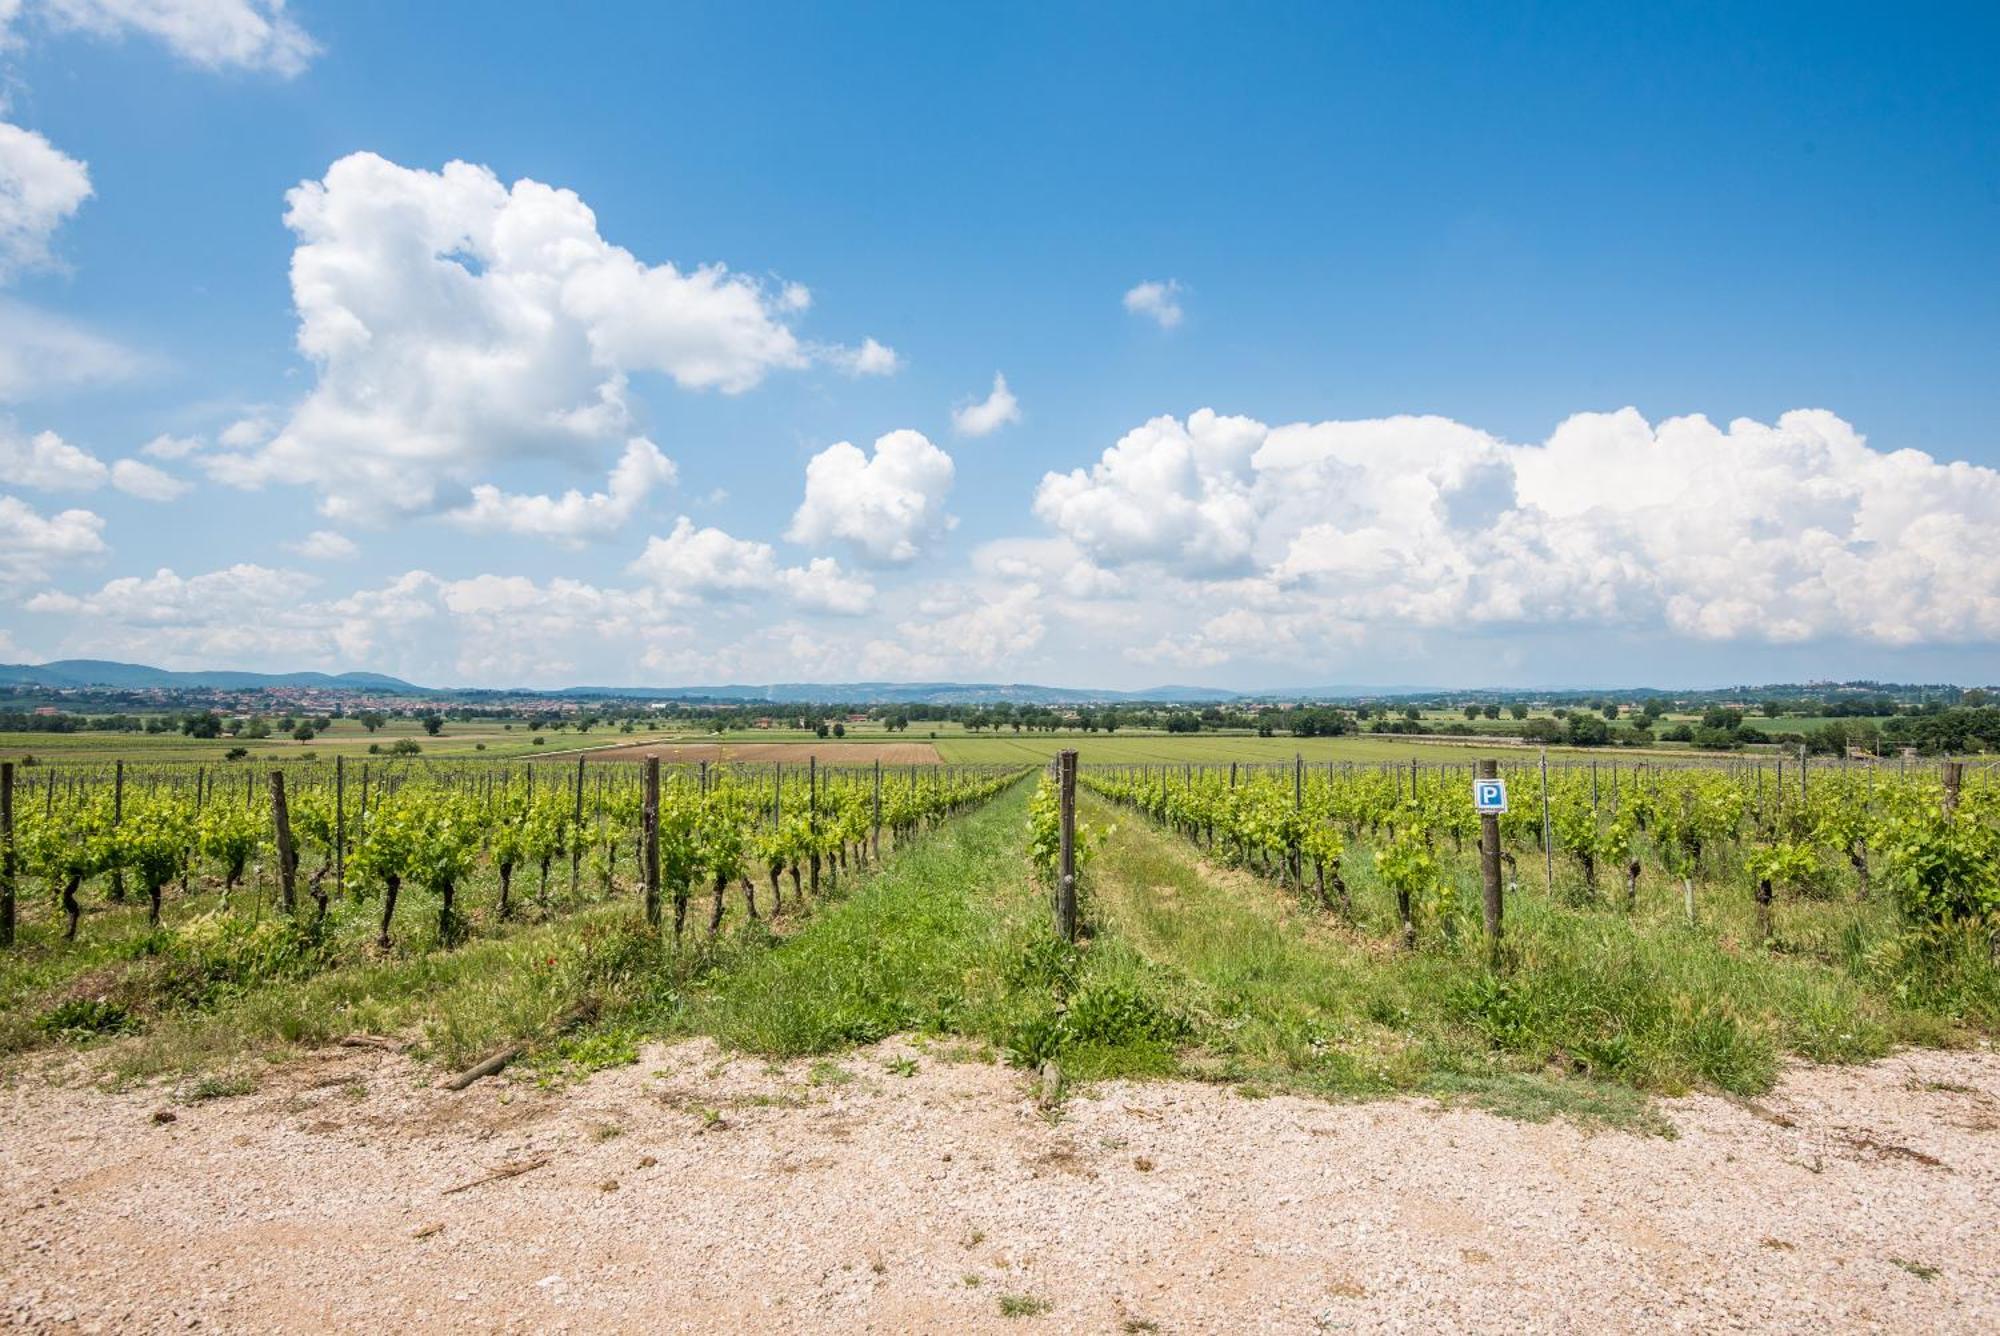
point(372, 719)
point(1611, 709)
point(303, 733)
point(207, 725)
point(1587, 730)
point(1491, 711)
point(840, 730)
point(820, 729)
point(433, 725)
point(1472, 712)
point(1518, 711)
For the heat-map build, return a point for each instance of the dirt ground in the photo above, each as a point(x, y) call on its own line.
point(750, 753)
point(898, 1191)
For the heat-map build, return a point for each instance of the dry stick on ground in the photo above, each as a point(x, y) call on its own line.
point(493, 1062)
point(511, 1169)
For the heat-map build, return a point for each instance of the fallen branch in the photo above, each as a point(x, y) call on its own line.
point(371, 1041)
point(499, 1058)
point(511, 1169)
point(486, 1066)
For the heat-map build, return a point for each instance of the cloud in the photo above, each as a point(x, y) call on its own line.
point(870, 359)
point(41, 187)
point(213, 34)
point(490, 628)
point(32, 543)
point(324, 545)
point(43, 354)
point(1778, 533)
point(166, 599)
point(1158, 301)
point(573, 518)
point(989, 633)
point(691, 565)
point(48, 463)
point(1172, 492)
point(990, 414)
point(134, 478)
point(455, 323)
point(889, 507)
point(165, 446)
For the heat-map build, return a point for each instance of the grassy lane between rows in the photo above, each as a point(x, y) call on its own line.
point(1600, 1005)
point(213, 1011)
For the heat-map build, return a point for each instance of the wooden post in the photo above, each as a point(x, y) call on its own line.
point(117, 816)
point(1489, 867)
point(649, 841)
point(1548, 846)
point(339, 822)
point(576, 840)
point(878, 809)
point(288, 855)
point(1954, 777)
point(1066, 880)
point(7, 870)
point(812, 818)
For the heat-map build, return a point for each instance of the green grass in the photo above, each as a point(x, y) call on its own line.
point(1199, 748)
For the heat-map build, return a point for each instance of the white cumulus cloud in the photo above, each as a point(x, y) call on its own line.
point(41, 187)
point(455, 322)
point(1157, 300)
point(213, 34)
point(889, 506)
point(573, 518)
point(46, 462)
point(988, 415)
point(31, 543)
point(697, 564)
point(1776, 533)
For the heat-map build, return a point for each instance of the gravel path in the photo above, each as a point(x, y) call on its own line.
point(694, 1192)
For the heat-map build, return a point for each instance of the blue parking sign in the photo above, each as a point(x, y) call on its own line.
point(1489, 795)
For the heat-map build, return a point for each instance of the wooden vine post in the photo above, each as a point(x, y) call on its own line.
point(878, 810)
point(288, 854)
point(339, 825)
point(117, 818)
point(7, 860)
point(812, 820)
point(1954, 779)
point(1489, 867)
point(576, 835)
point(1066, 868)
point(1548, 846)
point(649, 841)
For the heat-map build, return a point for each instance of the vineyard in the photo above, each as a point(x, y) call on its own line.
point(127, 892)
point(1654, 926)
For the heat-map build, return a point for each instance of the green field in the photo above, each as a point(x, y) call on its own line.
point(492, 739)
point(955, 745)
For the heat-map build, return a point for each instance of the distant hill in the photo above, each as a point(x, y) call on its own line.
point(140, 677)
point(906, 693)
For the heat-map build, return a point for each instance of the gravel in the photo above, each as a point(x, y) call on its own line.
point(696, 1191)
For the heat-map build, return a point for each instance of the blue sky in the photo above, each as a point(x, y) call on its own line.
point(1418, 262)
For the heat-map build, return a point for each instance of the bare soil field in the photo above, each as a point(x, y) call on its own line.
point(894, 1190)
point(752, 753)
